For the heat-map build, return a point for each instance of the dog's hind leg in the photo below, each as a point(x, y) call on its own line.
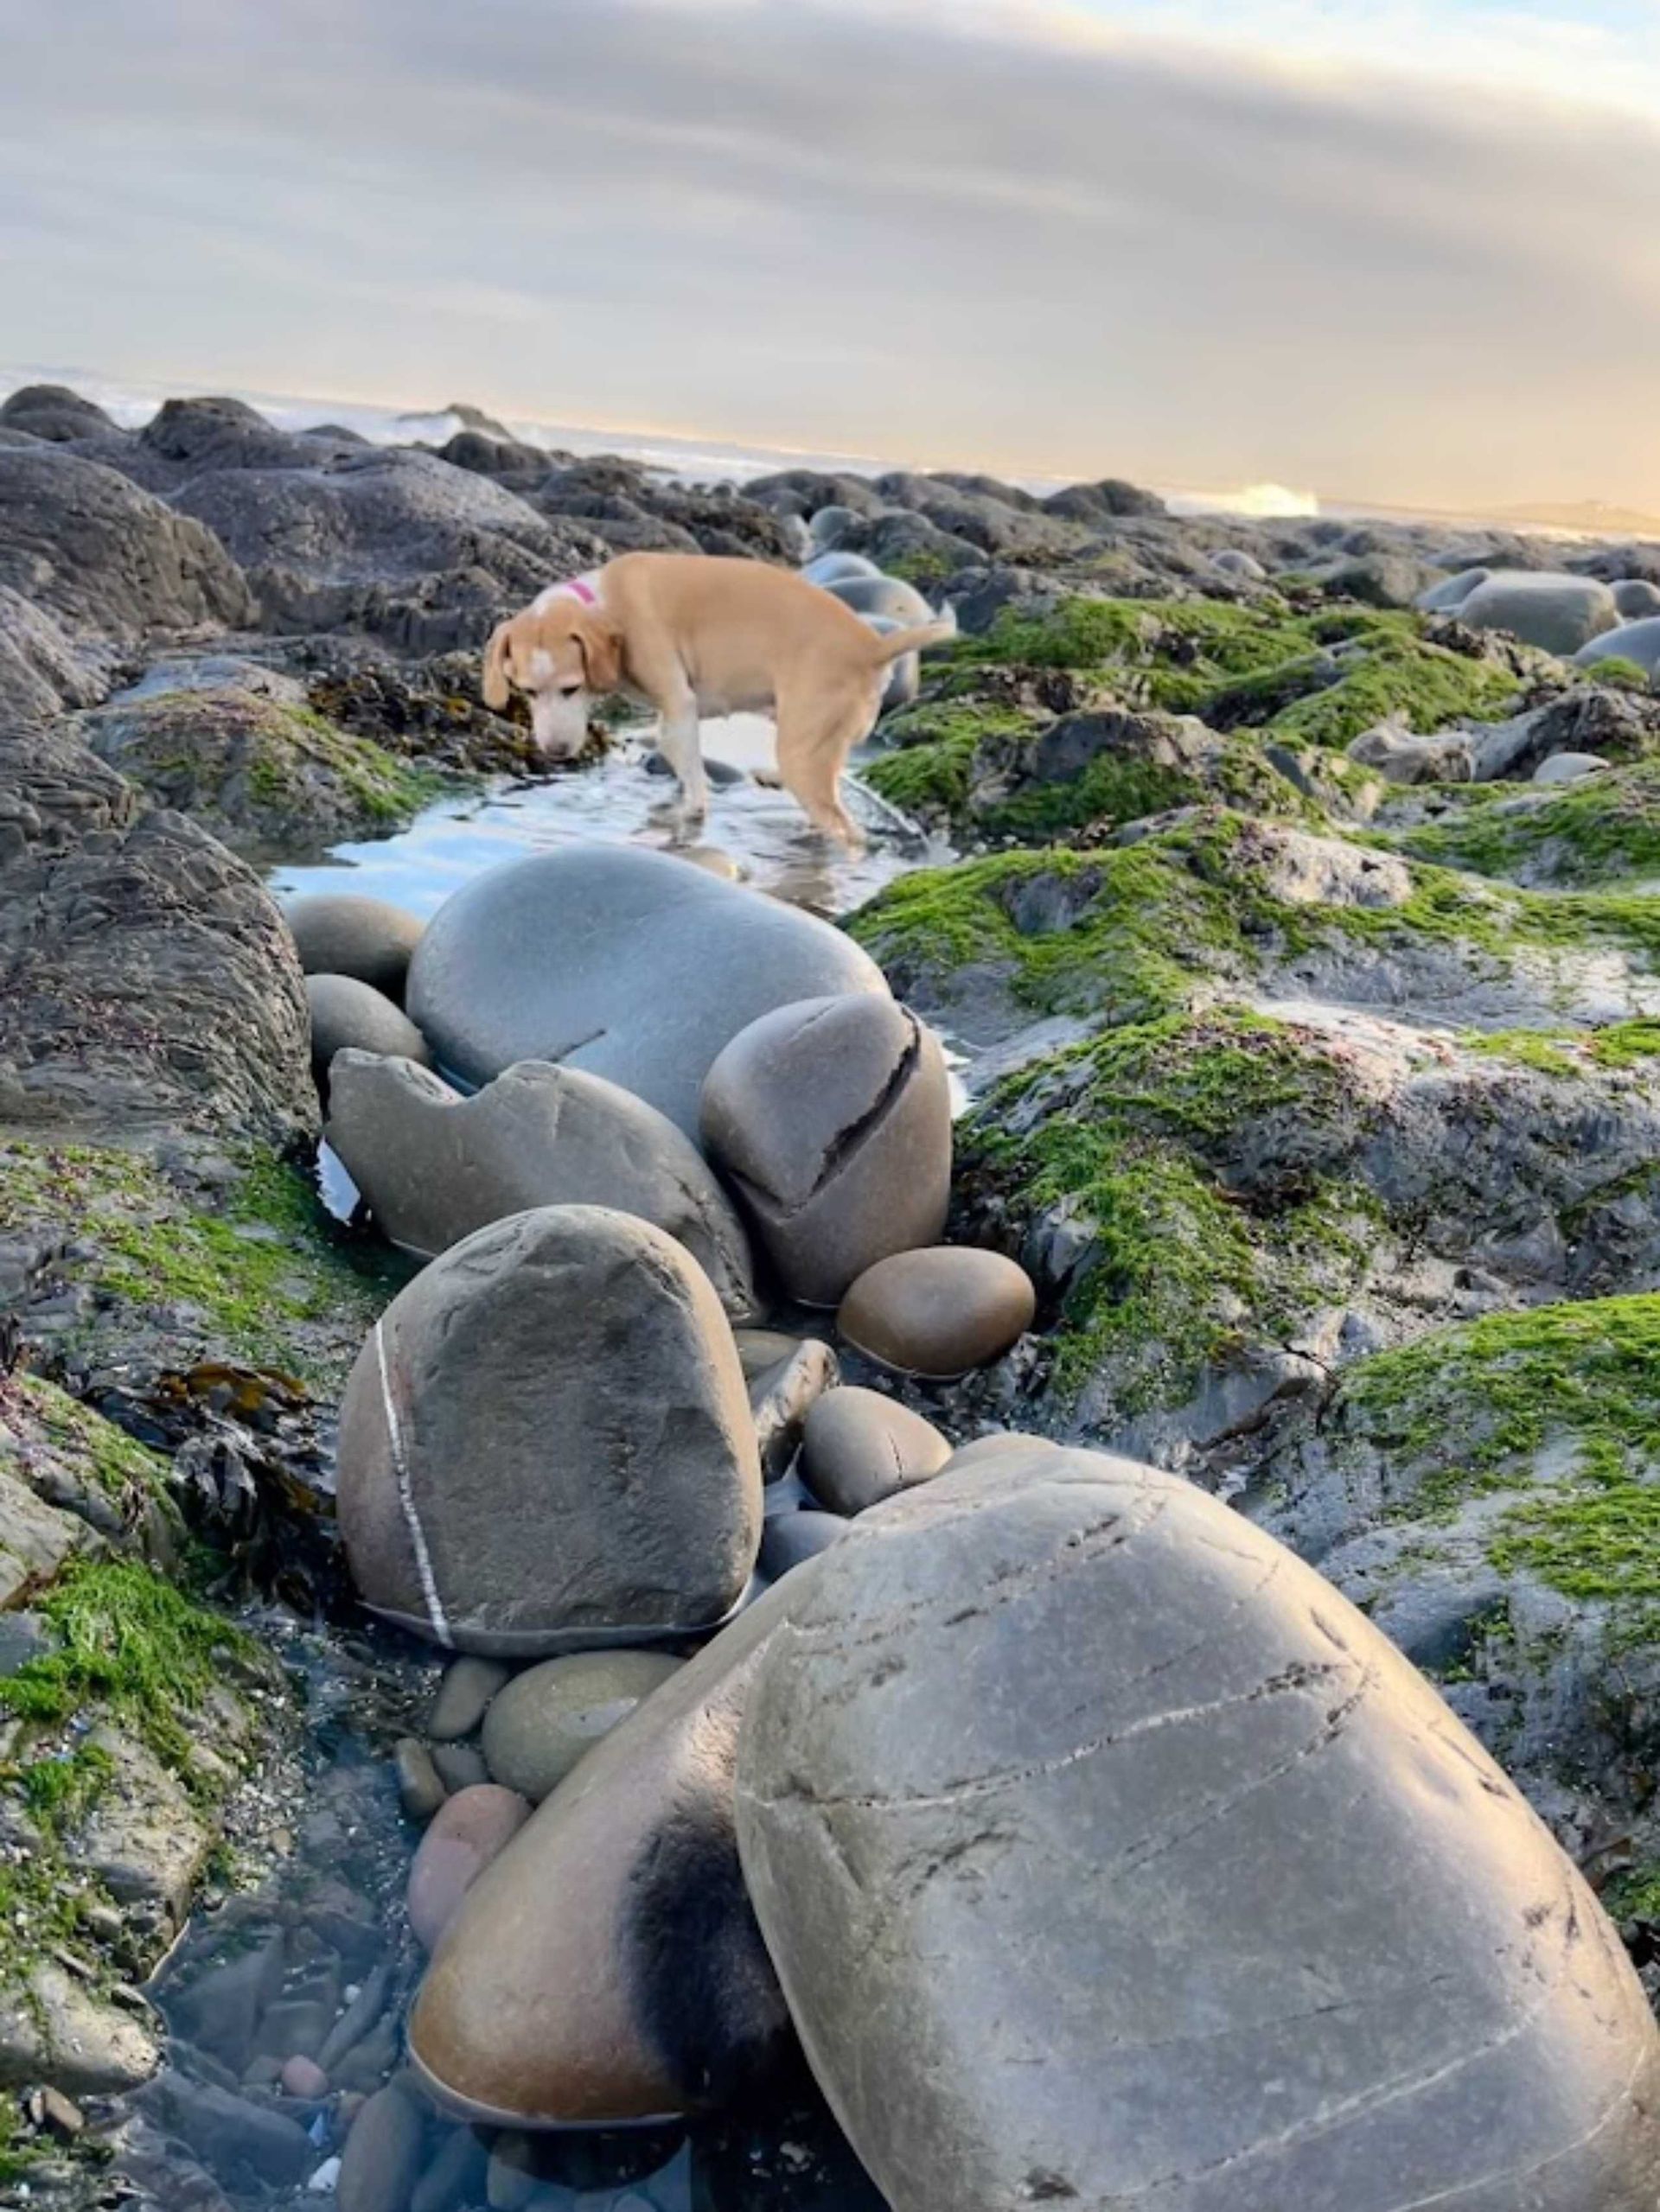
point(814, 739)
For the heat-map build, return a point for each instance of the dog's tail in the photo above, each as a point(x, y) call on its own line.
point(898, 643)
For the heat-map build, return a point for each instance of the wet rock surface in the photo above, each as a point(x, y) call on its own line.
point(633, 1868)
point(626, 964)
point(1243, 1786)
point(563, 1386)
point(434, 1167)
point(833, 1118)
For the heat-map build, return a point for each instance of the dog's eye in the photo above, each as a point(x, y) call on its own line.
point(569, 691)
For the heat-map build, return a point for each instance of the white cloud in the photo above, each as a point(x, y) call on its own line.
point(1054, 242)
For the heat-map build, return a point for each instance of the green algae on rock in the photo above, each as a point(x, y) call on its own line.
point(247, 1268)
point(267, 776)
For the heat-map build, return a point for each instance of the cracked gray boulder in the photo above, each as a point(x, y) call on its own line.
point(633, 965)
point(545, 1445)
point(623, 1892)
point(434, 1166)
point(1108, 1855)
point(832, 1120)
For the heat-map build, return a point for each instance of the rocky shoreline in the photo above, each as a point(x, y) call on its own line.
point(1303, 959)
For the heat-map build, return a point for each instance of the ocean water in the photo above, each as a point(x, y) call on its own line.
point(695, 460)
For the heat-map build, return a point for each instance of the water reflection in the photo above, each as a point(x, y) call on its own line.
point(759, 831)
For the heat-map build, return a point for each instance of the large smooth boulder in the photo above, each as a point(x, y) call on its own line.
point(607, 1967)
point(545, 1444)
point(630, 964)
point(551, 1716)
point(832, 1120)
point(434, 1167)
point(1635, 641)
point(1558, 613)
point(1108, 1855)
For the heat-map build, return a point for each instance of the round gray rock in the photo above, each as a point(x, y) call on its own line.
point(607, 1967)
point(1558, 613)
point(1638, 641)
point(938, 1313)
point(1636, 598)
point(340, 934)
point(548, 1717)
point(630, 964)
point(883, 595)
point(838, 568)
point(350, 1015)
point(790, 1539)
point(434, 1167)
point(1444, 598)
point(547, 1444)
point(1570, 767)
point(860, 1448)
point(831, 1121)
point(1108, 1857)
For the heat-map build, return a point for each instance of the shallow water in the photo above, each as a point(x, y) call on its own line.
point(328, 1919)
point(755, 834)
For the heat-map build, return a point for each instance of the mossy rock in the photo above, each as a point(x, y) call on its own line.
point(1222, 899)
point(999, 773)
point(245, 1267)
point(1120, 1166)
point(269, 777)
point(1490, 1493)
point(1603, 829)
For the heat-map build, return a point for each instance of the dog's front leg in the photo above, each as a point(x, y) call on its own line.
point(680, 745)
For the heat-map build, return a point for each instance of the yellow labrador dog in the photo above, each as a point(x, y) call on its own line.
point(694, 635)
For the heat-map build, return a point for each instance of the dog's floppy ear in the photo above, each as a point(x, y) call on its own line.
point(602, 650)
point(497, 689)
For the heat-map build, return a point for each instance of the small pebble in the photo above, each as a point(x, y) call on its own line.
point(464, 1695)
point(420, 1786)
point(304, 2077)
point(460, 1766)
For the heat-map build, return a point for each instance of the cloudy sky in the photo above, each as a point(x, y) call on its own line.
point(1405, 250)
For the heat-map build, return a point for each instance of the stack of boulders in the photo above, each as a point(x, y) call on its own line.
point(1086, 1844)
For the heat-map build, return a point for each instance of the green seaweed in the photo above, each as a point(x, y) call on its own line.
point(1122, 1136)
point(1402, 676)
point(251, 1276)
point(1596, 831)
point(133, 1646)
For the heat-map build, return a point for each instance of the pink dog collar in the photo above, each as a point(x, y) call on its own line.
point(577, 588)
